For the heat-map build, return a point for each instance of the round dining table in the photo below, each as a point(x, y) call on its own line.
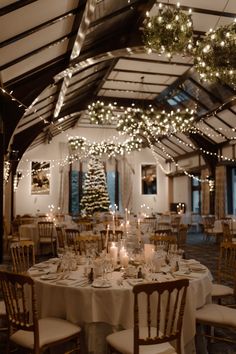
point(106, 305)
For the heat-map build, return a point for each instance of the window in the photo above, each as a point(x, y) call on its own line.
point(196, 195)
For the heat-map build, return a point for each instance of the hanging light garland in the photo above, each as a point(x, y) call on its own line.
point(99, 113)
point(80, 146)
point(169, 32)
point(215, 54)
point(152, 123)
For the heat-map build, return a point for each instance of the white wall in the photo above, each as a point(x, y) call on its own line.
point(57, 150)
point(158, 202)
point(182, 191)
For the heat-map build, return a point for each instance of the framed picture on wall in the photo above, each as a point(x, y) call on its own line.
point(40, 177)
point(148, 179)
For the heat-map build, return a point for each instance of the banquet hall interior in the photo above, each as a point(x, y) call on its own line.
point(118, 169)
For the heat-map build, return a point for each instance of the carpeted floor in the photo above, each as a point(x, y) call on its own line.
point(207, 253)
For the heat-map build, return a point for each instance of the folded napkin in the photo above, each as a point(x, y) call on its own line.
point(187, 275)
point(133, 282)
point(68, 281)
point(37, 272)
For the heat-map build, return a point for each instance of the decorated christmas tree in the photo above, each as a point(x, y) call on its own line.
point(95, 196)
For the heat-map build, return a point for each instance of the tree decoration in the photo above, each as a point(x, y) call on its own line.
point(101, 114)
point(169, 32)
point(151, 123)
point(215, 55)
point(95, 196)
point(82, 148)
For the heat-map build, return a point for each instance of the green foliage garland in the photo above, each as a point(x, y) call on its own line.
point(215, 55)
point(169, 32)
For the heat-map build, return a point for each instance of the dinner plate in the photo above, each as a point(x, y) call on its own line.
point(101, 284)
point(40, 265)
point(49, 277)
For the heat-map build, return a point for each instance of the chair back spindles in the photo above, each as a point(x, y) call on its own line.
point(165, 302)
point(22, 255)
point(45, 232)
point(72, 238)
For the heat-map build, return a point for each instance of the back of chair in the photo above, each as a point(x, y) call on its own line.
point(88, 245)
point(226, 229)
point(45, 229)
point(163, 240)
point(164, 227)
point(165, 304)
point(227, 263)
point(109, 236)
point(22, 255)
point(182, 235)
point(19, 297)
point(60, 237)
point(72, 237)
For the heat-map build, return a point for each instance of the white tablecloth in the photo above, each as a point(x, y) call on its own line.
point(112, 306)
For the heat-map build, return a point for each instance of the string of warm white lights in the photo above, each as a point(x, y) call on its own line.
point(9, 94)
point(169, 32)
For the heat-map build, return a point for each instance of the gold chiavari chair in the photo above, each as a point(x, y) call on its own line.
point(88, 245)
point(163, 240)
point(72, 238)
point(227, 231)
point(164, 227)
point(208, 227)
point(163, 321)
point(45, 233)
point(22, 255)
point(25, 329)
point(61, 241)
point(182, 235)
point(110, 236)
point(226, 273)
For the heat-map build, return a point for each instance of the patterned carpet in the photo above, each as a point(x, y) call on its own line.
point(207, 253)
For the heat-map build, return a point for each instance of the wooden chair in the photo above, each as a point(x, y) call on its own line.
point(208, 227)
point(164, 304)
point(216, 316)
point(22, 255)
point(182, 235)
point(227, 231)
point(45, 233)
point(164, 227)
point(61, 242)
point(88, 245)
point(226, 273)
point(112, 237)
point(163, 240)
point(175, 224)
point(25, 329)
point(72, 238)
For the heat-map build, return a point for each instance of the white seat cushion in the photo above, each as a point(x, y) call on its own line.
point(217, 314)
point(122, 341)
point(50, 330)
point(221, 290)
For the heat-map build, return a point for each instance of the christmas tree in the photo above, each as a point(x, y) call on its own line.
point(95, 196)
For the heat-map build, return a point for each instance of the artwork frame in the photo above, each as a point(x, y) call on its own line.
point(40, 177)
point(148, 179)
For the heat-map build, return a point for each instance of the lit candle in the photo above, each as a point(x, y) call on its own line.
point(126, 215)
point(114, 253)
point(106, 239)
point(139, 231)
point(113, 223)
point(148, 252)
point(125, 260)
